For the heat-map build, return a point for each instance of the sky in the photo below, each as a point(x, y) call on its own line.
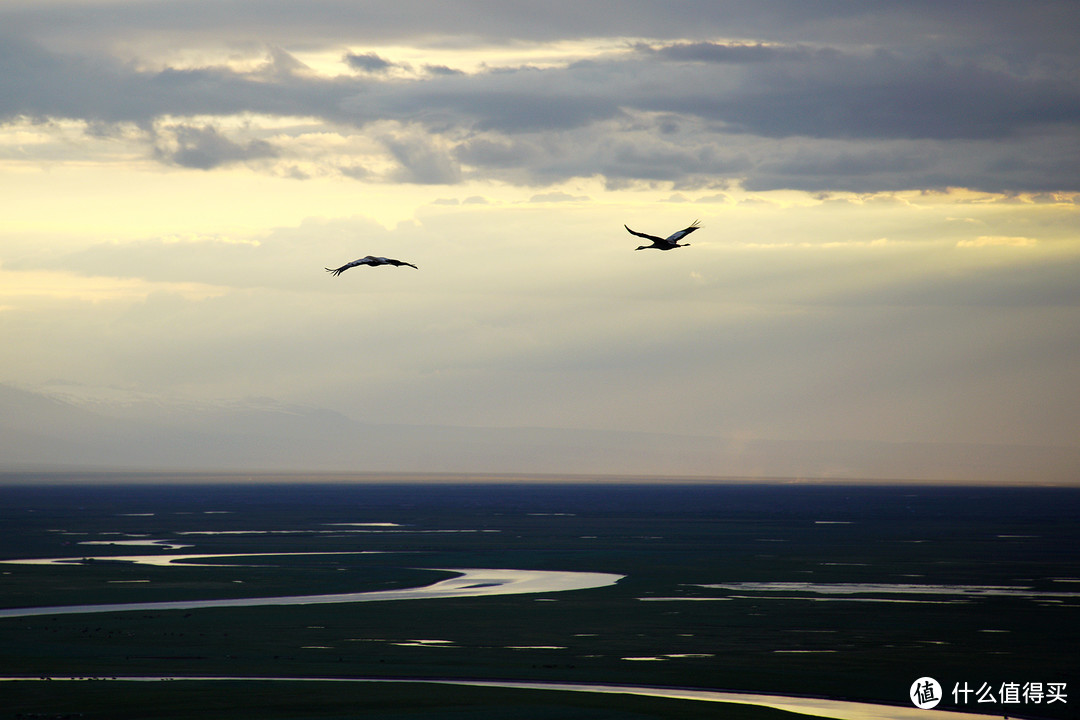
point(885, 283)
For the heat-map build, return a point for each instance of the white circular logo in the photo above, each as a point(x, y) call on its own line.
point(925, 693)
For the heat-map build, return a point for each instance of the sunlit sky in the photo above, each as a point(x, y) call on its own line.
point(885, 283)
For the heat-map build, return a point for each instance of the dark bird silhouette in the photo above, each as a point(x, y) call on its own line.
point(671, 241)
point(369, 260)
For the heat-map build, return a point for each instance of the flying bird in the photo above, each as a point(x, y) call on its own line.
point(671, 241)
point(369, 260)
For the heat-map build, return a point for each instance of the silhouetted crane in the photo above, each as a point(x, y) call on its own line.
point(369, 260)
point(671, 241)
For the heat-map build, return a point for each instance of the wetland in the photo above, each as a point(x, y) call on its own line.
point(843, 592)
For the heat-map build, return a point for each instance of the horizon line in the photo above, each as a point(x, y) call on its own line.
point(123, 476)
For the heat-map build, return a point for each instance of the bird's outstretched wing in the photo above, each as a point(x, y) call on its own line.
point(368, 260)
point(679, 235)
point(346, 266)
point(647, 237)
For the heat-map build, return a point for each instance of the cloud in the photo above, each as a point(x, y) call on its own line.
point(798, 343)
point(206, 148)
point(879, 99)
point(932, 24)
point(718, 52)
point(422, 160)
point(557, 197)
point(997, 241)
point(837, 93)
point(369, 62)
point(442, 70)
point(791, 317)
point(271, 260)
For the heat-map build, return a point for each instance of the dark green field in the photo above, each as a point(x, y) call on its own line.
point(1004, 608)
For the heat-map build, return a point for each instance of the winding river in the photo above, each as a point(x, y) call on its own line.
point(468, 582)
